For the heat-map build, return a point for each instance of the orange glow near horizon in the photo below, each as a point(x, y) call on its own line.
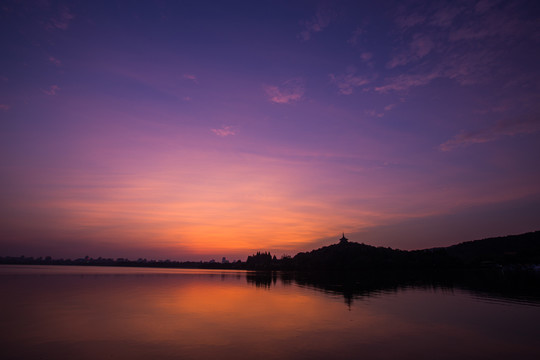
point(225, 207)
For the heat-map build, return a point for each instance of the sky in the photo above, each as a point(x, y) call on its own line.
point(192, 130)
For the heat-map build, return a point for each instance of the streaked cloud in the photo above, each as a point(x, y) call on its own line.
point(288, 92)
point(484, 5)
point(357, 33)
point(61, 21)
point(374, 113)
point(457, 41)
point(444, 16)
point(191, 77)
point(55, 61)
point(323, 18)
point(407, 20)
point(510, 127)
point(366, 56)
point(51, 90)
point(420, 46)
point(405, 82)
point(224, 131)
point(5, 107)
point(389, 107)
point(347, 82)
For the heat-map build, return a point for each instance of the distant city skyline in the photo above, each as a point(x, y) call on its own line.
point(201, 130)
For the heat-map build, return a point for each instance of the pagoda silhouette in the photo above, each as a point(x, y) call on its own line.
point(343, 239)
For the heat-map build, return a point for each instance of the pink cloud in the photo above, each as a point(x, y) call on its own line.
point(5, 107)
point(191, 77)
point(389, 107)
point(366, 56)
point(405, 82)
point(289, 91)
point(52, 90)
point(471, 67)
point(55, 61)
point(511, 127)
point(374, 113)
point(406, 21)
point(347, 82)
point(469, 32)
point(445, 16)
point(356, 35)
point(321, 20)
point(483, 5)
point(420, 46)
point(224, 131)
point(465, 68)
point(468, 43)
point(495, 23)
point(61, 21)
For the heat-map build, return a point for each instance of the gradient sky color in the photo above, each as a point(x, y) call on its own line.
point(198, 129)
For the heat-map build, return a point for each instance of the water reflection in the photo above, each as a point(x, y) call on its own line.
point(488, 285)
point(95, 313)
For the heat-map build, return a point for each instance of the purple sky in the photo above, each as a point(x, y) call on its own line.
point(198, 129)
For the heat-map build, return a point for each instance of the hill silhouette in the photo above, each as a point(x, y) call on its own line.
point(520, 250)
point(512, 249)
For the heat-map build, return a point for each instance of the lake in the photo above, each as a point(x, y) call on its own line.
point(69, 312)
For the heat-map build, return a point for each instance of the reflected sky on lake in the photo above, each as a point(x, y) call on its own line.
point(97, 313)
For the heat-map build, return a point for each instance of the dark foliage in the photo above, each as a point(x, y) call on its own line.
point(513, 249)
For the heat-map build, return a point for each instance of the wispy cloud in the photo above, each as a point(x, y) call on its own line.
point(493, 24)
point(55, 61)
point(61, 21)
point(357, 33)
point(323, 18)
point(347, 82)
point(483, 5)
point(191, 77)
point(224, 131)
point(509, 127)
point(458, 41)
point(289, 91)
point(5, 107)
point(466, 68)
point(366, 56)
point(374, 113)
point(406, 81)
point(420, 46)
point(408, 20)
point(389, 107)
point(51, 90)
point(444, 16)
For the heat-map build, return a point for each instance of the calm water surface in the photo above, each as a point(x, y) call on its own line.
point(54, 312)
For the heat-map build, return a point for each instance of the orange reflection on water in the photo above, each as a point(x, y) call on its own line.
point(95, 313)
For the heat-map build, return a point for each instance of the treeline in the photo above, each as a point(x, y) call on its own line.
point(88, 261)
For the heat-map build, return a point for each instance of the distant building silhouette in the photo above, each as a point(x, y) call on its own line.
point(343, 239)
